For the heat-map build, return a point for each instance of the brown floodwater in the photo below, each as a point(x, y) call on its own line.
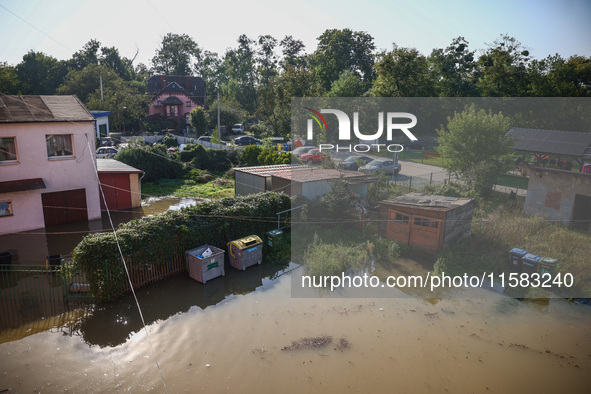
point(228, 336)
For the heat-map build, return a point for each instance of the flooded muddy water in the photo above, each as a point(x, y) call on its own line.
point(228, 336)
point(32, 247)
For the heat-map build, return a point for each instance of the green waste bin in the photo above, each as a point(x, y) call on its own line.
point(548, 265)
point(272, 237)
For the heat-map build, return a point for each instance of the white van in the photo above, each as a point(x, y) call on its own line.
point(238, 128)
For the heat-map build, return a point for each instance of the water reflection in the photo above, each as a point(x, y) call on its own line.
point(112, 324)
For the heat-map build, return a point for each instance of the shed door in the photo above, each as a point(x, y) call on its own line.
point(117, 191)
point(425, 233)
point(398, 226)
point(414, 230)
point(64, 207)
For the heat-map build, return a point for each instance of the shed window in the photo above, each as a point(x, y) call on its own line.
point(401, 218)
point(59, 145)
point(424, 222)
point(7, 149)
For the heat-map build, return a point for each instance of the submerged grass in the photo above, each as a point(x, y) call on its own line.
point(218, 188)
point(496, 231)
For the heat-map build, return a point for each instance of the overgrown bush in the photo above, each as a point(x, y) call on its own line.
point(333, 259)
point(254, 155)
point(158, 239)
point(170, 140)
point(153, 160)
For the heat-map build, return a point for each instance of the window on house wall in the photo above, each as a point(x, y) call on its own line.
point(59, 145)
point(7, 149)
point(5, 208)
point(188, 103)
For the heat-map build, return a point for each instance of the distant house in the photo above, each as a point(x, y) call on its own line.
point(427, 222)
point(173, 97)
point(101, 123)
point(47, 158)
point(301, 180)
point(559, 195)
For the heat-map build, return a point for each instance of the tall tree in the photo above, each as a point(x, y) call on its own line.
point(503, 68)
point(340, 50)
point(403, 72)
point(9, 81)
point(89, 54)
point(292, 50)
point(40, 73)
point(475, 147)
point(240, 66)
point(453, 69)
point(176, 54)
point(267, 59)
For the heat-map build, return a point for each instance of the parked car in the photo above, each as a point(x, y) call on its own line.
point(298, 152)
point(313, 156)
point(207, 138)
point(246, 140)
point(352, 163)
point(238, 128)
point(107, 152)
point(382, 166)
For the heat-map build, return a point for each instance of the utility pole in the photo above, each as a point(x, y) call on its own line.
point(101, 79)
point(219, 127)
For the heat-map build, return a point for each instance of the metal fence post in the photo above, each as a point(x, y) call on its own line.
point(431, 180)
point(410, 184)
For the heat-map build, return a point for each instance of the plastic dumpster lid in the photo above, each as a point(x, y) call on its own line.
point(518, 251)
point(274, 232)
point(548, 260)
point(247, 241)
point(533, 258)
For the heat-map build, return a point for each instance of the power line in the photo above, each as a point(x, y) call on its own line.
point(36, 28)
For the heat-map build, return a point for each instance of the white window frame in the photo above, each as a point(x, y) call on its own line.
point(63, 156)
point(11, 161)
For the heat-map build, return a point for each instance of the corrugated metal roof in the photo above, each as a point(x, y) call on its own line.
point(43, 109)
point(555, 142)
point(303, 173)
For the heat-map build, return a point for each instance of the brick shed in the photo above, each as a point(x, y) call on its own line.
point(426, 221)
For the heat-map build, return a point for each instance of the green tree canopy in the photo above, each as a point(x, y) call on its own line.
point(475, 147)
point(340, 50)
point(176, 54)
point(199, 120)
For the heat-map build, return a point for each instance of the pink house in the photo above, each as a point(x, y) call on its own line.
point(47, 162)
point(173, 97)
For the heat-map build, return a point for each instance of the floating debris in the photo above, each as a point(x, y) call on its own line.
point(342, 345)
point(309, 343)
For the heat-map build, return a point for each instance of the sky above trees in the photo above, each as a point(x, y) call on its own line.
point(61, 27)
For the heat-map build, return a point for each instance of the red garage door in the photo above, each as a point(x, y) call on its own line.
point(64, 207)
point(117, 191)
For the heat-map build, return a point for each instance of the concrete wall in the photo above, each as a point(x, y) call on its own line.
point(551, 193)
point(58, 174)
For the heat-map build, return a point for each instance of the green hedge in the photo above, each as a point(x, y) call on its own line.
point(158, 239)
